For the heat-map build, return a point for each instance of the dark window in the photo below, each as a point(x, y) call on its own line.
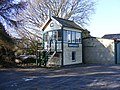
point(73, 56)
point(59, 35)
point(55, 35)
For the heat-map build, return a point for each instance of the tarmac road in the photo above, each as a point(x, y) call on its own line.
point(80, 77)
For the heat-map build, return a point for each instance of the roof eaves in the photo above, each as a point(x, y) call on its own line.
point(46, 24)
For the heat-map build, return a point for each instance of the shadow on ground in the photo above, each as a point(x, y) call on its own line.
point(84, 77)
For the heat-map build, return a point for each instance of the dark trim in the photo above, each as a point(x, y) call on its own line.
point(46, 24)
point(43, 41)
point(62, 61)
point(56, 45)
point(75, 37)
point(115, 52)
point(83, 60)
point(71, 36)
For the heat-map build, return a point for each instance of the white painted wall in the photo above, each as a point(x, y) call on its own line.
point(53, 25)
point(68, 54)
point(72, 29)
point(99, 51)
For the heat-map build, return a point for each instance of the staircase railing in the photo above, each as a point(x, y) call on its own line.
point(51, 57)
point(45, 59)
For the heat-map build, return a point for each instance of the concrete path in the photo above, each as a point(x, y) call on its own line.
point(81, 77)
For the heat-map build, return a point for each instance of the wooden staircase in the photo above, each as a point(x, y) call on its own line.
point(46, 58)
point(50, 57)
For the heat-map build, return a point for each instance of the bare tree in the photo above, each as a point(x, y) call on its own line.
point(77, 10)
point(8, 11)
point(37, 13)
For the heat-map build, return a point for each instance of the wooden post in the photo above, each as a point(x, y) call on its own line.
point(56, 45)
point(37, 54)
point(62, 35)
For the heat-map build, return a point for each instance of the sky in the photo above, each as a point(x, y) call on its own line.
point(106, 19)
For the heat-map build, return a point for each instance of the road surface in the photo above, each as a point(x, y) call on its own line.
point(80, 77)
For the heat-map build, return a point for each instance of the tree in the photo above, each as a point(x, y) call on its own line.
point(8, 11)
point(77, 10)
point(5, 39)
point(37, 13)
point(6, 46)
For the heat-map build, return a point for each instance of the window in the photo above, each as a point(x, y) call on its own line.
point(45, 36)
point(55, 36)
point(73, 37)
point(65, 36)
point(78, 37)
point(59, 35)
point(69, 36)
point(49, 35)
point(73, 56)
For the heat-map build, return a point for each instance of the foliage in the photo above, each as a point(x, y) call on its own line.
point(28, 20)
point(5, 39)
point(6, 46)
point(86, 33)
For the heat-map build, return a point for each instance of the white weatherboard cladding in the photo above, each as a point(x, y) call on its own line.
point(53, 25)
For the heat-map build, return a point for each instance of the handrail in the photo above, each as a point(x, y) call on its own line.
point(52, 55)
point(45, 59)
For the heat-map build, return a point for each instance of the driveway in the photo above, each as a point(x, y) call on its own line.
point(80, 77)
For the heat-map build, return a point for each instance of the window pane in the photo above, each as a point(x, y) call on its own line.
point(73, 37)
point(59, 35)
point(49, 35)
point(55, 36)
point(69, 36)
point(78, 37)
point(65, 36)
point(45, 36)
point(73, 56)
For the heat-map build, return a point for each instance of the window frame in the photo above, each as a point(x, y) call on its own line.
point(69, 37)
point(65, 36)
point(73, 36)
point(73, 56)
point(80, 38)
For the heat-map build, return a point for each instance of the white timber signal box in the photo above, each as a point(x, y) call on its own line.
point(64, 37)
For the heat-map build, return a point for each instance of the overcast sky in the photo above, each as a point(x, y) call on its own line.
point(107, 18)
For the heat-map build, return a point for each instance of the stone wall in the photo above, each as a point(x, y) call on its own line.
point(68, 54)
point(98, 51)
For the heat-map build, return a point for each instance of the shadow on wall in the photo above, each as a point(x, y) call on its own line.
point(98, 51)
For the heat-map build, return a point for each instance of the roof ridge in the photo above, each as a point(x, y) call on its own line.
point(62, 18)
point(67, 23)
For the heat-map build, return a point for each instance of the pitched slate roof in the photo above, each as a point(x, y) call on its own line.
point(67, 23)
point(112, 36)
